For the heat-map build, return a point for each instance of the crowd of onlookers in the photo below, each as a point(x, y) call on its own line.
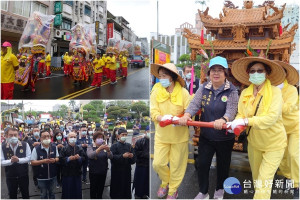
point(73, 153)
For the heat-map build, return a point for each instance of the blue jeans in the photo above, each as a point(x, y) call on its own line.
point(47, 187)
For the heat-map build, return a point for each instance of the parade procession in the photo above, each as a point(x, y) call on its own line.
point(152, 99)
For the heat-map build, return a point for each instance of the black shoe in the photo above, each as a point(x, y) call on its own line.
point(296, 193)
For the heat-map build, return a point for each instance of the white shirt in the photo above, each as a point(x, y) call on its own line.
point(21, 160)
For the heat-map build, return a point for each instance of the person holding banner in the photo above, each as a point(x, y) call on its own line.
point(260, 108)
point(169, 98)
point(218, 101)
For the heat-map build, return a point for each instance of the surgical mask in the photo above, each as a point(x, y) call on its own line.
point(90, 132)
point(188, 76)
point(99, 141)
point(106, 130)
point(72, 140)
point(83, 132)
point(13, 140)
point(46, 141)
point(148, 135)
point(257, 78)
point(165, 82)
point(36, 134)
point(58, 137)
point(26, 130)
point(123, 139)
point(70, 127)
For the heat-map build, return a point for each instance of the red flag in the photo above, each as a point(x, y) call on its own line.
point(280, 29)
point(202, 36)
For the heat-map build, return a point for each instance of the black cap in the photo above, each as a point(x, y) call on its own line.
point(122, 130)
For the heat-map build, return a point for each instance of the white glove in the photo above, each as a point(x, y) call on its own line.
point(175, 118)
point(237, 122)
point(166, 117)
point(229, 124)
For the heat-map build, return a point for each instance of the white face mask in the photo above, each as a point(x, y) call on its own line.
point(72, 140)
point(46, 141)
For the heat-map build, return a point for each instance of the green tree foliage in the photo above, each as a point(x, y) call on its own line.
point(72, 104)
point(141, 109)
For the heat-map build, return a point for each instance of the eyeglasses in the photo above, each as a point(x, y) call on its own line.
point(216, 71)
point(258, 71)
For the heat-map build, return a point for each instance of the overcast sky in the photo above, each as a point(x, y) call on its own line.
point(40, 105)
point(141, 14)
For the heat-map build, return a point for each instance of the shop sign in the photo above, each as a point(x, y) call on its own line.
point(58, 7)
point(57, 20)
point(110, 30)
point(97, 31)
point(12, 23)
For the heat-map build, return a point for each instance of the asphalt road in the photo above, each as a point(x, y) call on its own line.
point(57, 86)
point(189, 187)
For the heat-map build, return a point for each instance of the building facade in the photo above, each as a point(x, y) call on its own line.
point(14, 16)
point(74, 12)
point(121, 29)
point(178, 42)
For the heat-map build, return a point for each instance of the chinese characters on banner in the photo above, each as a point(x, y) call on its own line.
point(161, 57)
point(110, 30)
point(12, 23)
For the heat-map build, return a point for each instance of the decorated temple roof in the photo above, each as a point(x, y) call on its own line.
point(230, 44)
point(249, 17)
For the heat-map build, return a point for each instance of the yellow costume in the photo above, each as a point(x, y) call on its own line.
point(124, 61)
point(171, 142)
point(289, 166)
point(98, 65)
point(48, 60)
point(111, 62)
point(267, 137)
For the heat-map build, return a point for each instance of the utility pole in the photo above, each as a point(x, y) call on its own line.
point(23, 110)
point(157, 20)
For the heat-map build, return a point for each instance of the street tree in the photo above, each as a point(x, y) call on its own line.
point(72, 104)
point(140, 108)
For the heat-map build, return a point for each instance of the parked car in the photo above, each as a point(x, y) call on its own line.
point(137, 61)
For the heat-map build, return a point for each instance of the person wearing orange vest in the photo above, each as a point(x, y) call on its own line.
point(9, 65)
point(48, 64)
point(98, 69)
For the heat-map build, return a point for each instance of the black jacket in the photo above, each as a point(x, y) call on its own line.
point(73, 167)
point(141, 150)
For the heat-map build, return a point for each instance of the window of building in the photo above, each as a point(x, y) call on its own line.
point(66, 24)
point(27, 6)
point(17, 7)
point(43, 9)
point(4, 5)
point(36, 6)
point(70, 3)
point(87, 11)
